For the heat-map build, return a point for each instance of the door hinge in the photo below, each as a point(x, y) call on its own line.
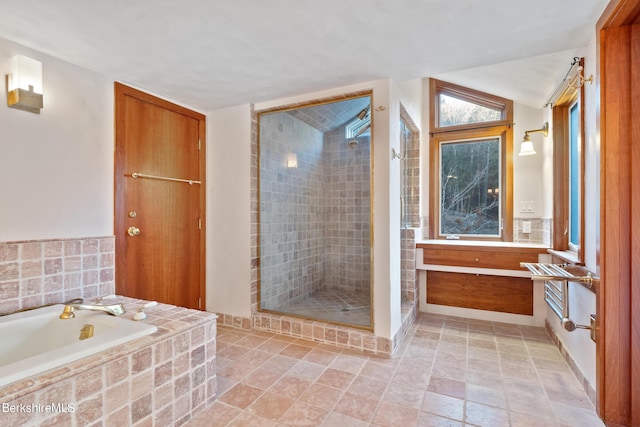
point(199, 144)
point(199, 224)
point(199, 303)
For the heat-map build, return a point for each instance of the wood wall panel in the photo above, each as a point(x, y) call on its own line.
point(482, 292)
point(635, 223)
point(618, 297)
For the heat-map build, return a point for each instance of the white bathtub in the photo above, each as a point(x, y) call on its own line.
point(35, 341)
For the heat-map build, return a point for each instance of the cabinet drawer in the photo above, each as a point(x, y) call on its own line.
point(481, 292)
point(498, 258)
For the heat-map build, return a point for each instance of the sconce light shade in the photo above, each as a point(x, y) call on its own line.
point(24, 84)
point(526, 148)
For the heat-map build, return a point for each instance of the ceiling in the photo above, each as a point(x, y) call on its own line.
point(209, 54)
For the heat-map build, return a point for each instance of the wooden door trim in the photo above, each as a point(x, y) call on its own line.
point(618, 297)
point(120, 92)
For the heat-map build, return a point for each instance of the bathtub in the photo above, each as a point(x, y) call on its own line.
point(35, 341)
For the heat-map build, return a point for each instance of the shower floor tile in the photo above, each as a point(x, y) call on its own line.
point(333, 305)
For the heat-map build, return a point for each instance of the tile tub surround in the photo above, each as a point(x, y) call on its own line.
point(160, 380)
point(33, 273)
point(449, 371)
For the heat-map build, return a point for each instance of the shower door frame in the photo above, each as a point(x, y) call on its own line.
point(256, 262)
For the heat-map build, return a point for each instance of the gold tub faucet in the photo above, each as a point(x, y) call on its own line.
point(113, 309)
point(86, 332)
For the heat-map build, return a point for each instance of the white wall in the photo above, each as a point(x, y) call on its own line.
point(386, 202)
point(411, 95)
point(56, 168)
point(229, 211)
point(527, 170)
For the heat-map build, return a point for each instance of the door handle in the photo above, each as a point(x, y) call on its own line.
point(133, 231)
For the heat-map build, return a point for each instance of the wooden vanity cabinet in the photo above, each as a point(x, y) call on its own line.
point(495, 287)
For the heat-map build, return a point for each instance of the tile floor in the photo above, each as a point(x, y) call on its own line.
point(448, 372)
point(333, 305)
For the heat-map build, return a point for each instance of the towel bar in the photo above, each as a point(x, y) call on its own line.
point(540, 271)
point(556, 291)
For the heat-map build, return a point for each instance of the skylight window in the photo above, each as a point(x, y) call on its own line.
point(358, 127)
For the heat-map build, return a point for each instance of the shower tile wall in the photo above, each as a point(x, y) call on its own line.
point(348, 212)
point(315, 218)
point(409, 274)
point(410, 149)
point(291, 244)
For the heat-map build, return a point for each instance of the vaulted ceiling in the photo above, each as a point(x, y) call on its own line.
point(215, 53)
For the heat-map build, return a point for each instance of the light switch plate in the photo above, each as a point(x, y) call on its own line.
point(526, 206)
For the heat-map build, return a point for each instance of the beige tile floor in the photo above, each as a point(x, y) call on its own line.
point(448, 372)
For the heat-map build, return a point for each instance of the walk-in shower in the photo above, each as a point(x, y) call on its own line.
point(315, 211)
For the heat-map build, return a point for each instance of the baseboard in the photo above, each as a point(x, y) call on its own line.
point(588, 389)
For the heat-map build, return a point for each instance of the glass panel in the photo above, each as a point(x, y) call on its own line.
point(454, 111)
point(315, 216)
point(574, 178)
point(470, 188)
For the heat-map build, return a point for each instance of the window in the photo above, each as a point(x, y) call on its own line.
point(358, 126)
point(453, 111)
point(574, 178)
point(568, 165)
point(470, 177)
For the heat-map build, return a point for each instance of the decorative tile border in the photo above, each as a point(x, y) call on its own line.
point(238, 322)
point(326, 333)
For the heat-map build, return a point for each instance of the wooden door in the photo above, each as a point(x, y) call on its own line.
point(159, 199)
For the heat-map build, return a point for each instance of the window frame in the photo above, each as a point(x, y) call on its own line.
point(480, 130)
point(438, 87)
point(572, 95)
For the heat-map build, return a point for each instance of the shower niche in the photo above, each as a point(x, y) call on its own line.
point(315, 211)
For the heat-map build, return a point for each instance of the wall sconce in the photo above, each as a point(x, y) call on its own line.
point(24, 84)
point(526, 148)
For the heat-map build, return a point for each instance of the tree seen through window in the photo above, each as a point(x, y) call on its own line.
point(470, 187)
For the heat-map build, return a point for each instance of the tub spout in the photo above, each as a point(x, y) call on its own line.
point(113, 309)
